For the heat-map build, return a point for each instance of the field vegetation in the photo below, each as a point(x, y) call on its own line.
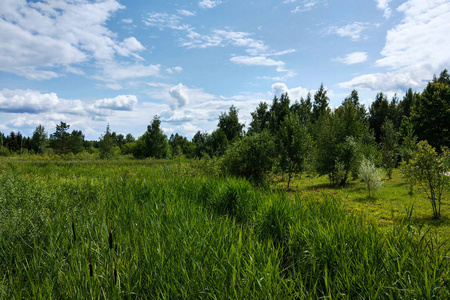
point(311, 202)
point(173, 229)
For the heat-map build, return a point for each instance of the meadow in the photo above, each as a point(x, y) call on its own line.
point(168, 229)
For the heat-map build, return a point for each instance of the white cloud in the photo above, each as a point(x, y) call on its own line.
point(127, 21)
point(129, 46)
point(163, 21)
point(296, 93)
point(45, 37)
point(121, 102)
point(256, 61)
point(186, 13)
point(180, 94)
point(353, 31)
point(307, 5)
point(27, 101)
point(414, 50)
point(384, 5)
point(353, 58)
point(177, 69)
point(206, 4)
point(113, 71)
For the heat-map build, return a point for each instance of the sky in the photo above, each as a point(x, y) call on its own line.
point(122, 62)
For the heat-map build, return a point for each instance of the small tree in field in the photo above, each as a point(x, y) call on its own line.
point(371, 176)
point(429, 169)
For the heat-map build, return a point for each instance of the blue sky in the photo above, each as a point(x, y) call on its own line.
point(117, 62)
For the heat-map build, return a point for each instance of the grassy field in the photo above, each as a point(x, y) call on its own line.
point(390, 205)
point(165, 229)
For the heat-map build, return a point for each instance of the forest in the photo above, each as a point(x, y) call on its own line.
point(310, 202)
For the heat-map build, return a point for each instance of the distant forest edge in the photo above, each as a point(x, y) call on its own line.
point(296, 136)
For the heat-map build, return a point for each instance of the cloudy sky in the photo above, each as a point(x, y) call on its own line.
point(120, 62)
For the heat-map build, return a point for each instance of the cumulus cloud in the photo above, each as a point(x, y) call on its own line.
point(180, 94)
point(44, 37)
point(206, 4)
point(353, 58)
point(26, 101)
point(415, 49)
point(296, 93)
point(121, 102)
point(37, 103)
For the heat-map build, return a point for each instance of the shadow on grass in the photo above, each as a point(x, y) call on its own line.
point(365, 199)
point(328, 186)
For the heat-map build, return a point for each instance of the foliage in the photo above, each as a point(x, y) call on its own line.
point(106, 144)
point(431, 114)
point(320, 105)
point(338, 138)
point(295, 145)
point(134, 228)
point(429, 169)
point(389, 146)
point(371, 176)
point(229, 124)
point(252, 157)
point(260, 119)
point(39, 139)
point(60, 138)
point(153, 143)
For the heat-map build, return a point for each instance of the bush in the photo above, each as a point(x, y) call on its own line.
point(371, 175)
point(252, 157)
point(429, 169)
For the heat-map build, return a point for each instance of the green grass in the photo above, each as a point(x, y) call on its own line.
point(161, 229)
point(388, 207)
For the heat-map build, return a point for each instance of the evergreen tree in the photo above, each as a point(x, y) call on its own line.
point(278, 111)
point(378, 112)
point(76, 141)
point(60, 138)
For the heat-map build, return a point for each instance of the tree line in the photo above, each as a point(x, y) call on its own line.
point(305, 134)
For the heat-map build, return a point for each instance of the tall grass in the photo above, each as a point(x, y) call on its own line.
point(152, 229)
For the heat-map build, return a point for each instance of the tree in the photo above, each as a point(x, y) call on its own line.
point(260, 119)
point(76, 141)
point(320, 105)
point(303, 109)
point(295, 145)
point(430, 170)
point(107, 142)
point(153, 143)
point(229, 124)
point(339, 135)
point(252, 157)
point(216, 143)
point(278, 111)
point(371, 176)
point(389, 146)
point(61, 138)
point(431, 114)
point(39, 139)
point(378, 112)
